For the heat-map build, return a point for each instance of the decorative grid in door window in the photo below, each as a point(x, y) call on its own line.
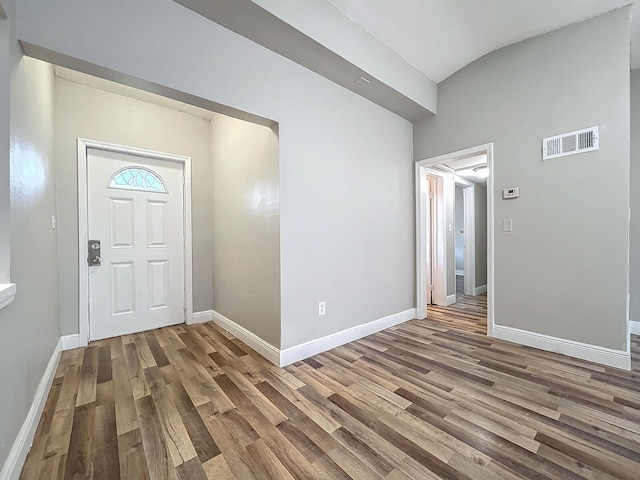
point(138, 178)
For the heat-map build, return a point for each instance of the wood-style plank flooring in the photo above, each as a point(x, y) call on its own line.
point(460, 284)
point(428, 399)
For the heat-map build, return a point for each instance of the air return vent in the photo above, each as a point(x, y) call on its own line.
point(570, 143)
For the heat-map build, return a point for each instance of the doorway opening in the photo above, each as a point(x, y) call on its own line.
point(454, 234)
point(468, 231)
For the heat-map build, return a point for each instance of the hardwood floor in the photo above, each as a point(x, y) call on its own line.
point(468, 314)
point(460, 284)
point(427, 399)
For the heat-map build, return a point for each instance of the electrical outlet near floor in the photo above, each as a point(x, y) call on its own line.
point(321, 308)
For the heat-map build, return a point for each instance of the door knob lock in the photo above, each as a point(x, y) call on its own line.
point(94, 259)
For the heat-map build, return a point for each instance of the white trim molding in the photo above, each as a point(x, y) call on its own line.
point(22, 444)
point(605, 356)
point(459, 272)
point(634, 328)
point(200, 317)
point(7, 293)
point(285, 357)
point(451, 299)
point(70, 341)
point(308, 349)
point(480, 290)
point(83, 211)
point(260, 345)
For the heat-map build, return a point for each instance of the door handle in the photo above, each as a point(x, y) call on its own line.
point(94, 259)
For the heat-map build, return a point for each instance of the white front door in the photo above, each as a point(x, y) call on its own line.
point(135, 211)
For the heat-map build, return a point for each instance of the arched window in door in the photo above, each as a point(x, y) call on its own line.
point(138, 178)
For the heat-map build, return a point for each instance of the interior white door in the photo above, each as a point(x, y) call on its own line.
point(429, 211)
point(136, 212)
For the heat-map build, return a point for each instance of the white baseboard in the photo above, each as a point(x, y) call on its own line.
point(480, 290)
point(22, 444)
point(290, 355)
point(70, 341)
point(592, 353)
point(201, 317)
point(634, 328)
point(451, 299)
point(261, 346)
point(459, 272)
point(308, 349)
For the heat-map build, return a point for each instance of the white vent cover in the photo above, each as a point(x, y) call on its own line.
point(570, 143)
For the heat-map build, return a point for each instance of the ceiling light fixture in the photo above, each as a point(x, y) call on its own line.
point(481, 172)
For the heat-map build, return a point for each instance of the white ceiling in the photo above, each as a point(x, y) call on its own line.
point(439, 37)
point(463, 167)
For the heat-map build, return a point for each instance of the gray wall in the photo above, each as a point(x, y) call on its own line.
point(246, 225)
point(4, 150)
point(459, 228)
point(634, 250)
point(480, 204)
point(86, 112)
point(30, 326)
point(563, 270)
point(346, 173)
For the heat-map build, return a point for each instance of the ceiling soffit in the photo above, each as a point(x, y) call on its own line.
point(402, 89)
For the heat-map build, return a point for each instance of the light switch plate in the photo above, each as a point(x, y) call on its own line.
point(507, 225)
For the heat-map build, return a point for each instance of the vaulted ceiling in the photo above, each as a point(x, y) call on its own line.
point(395, 52)
point(439, 37)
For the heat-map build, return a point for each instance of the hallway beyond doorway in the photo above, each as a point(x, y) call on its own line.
point(468, 313)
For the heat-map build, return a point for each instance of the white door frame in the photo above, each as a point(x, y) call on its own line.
point(83, 232)
point(470, 240)
point(422, 227)
point(429, 209)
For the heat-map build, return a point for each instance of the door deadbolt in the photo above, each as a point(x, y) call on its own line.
point(94, 253)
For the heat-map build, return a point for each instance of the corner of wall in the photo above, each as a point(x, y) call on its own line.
point(33, 317)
